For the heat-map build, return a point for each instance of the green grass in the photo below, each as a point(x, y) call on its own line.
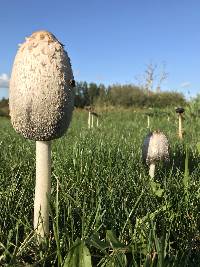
point(103, 203)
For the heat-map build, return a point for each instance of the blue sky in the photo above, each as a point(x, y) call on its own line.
point(111, 41)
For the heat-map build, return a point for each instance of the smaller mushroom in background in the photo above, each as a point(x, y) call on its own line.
point(149, 114)
point(94, 114)
point(91, 115)
point(148, 119)
point(89, 109)
point(180, 112)
point(155, 148)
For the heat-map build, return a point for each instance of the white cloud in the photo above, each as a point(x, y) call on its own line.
point(185, 84)
point(4, 80)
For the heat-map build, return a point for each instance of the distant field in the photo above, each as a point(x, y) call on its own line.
point(102, 194)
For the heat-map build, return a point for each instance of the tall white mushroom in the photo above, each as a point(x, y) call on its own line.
point(41, 101)
point(180, 112)
point(94, 114)
point(89, 109)
point(155, 148)
point(91, 115)
point(89, 119)
point(149, 114)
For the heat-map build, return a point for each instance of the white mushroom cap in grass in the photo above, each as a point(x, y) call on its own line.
point(41, 96)
point(155, 148)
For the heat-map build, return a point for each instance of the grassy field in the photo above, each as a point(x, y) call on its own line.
point(103, 202)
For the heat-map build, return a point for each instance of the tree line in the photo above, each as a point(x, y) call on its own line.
point(129, 95)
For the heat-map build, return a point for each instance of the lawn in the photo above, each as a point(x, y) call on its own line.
point(105, 209)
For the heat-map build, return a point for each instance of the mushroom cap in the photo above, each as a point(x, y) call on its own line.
point(180, 110)
point(89, 108)
point(155, 148)
point(41, 95)
point(94, 114)
point(150, 114)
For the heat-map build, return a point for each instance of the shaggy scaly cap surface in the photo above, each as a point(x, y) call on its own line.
point(155, 147)
point(41, 96)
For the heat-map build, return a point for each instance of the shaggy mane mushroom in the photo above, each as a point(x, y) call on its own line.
point(41, 100)
point(180, 112)
point(155, 148)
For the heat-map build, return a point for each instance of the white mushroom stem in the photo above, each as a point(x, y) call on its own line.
point(152, 169)
point(92, 121)
point(148, 121)
point(89, 120)
point(42, 187)
point(180, 132)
